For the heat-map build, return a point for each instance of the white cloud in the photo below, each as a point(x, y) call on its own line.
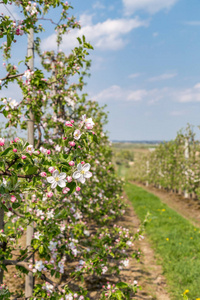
point(117, 93)
point(197, 86)
point(98, 5)
point(150, 96)
point(150, 6)
point(114, 92)
point(134, 75)
point(137, 95)
point(188, 95)
point(107, 35)
point(164, 76)
point(193, 23)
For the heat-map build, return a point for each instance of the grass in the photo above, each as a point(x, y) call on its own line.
point(175, 241)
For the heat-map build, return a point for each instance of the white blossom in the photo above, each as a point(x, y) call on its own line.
point(57, 179)
point(82, 173)
point(52, 245)
point(39, 265)
point(88, 122)
point(77, 134)
point(13, 103)
point(57, 148)
point(30, 149)
point(28, 74)
point(69, 297)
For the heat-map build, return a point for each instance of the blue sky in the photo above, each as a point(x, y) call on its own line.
point(145, 64)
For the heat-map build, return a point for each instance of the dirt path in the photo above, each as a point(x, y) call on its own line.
point(146, 272)
point(188, 208)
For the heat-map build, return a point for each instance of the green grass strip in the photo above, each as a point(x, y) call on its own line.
point(174, 239)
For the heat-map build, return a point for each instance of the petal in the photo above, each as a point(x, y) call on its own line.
point(86, 167)
point(62, 183)
point(50, 179)
point(62, 176)
point(55, 173)
point(54, 185)
point(88, 175)
point(76, 175)
point(79, 167)
point(81, 179)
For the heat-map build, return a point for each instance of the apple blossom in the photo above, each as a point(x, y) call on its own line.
point(57, 179)
point(13, 103)
point(77, 134)
point(82, 173)
point(66, 190)
point(30, 149)
point(72, 143)
point(87, 122)
point(39, 265)
point(69, 179)
point(43, 174)
point(68, 124)
point(51, 169)
point(2, 141)
point(49, 194)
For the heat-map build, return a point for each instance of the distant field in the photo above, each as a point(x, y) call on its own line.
point(136, 148)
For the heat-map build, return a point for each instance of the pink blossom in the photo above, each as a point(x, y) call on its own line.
point(71, 163)
point(72, 121)
point(14, 150)
point(49, 194)
point(68, 124)
point(51, 169)
point(43, 174)
point(48, 151)
point(69, 179)
point(72, 143)
point(23, 156)
point(2, 141)
point(65, 190)
point(13, 199)
point(82, 162)
point(16, 140)
point(78, 188)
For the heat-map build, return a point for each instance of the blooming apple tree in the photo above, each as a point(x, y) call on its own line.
point(65, 184)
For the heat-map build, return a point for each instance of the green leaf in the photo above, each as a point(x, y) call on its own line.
point(31, 170)
point(2, 190)
point(15, 205)
point(20, 165)
point(122, 285)
point(79, 39)
point(13, 179)
point(72, 187)
point(9, 39)
point(5, 152)
point(2, 165)
point(4, 207)
point(41, 249)
point(4, 267)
